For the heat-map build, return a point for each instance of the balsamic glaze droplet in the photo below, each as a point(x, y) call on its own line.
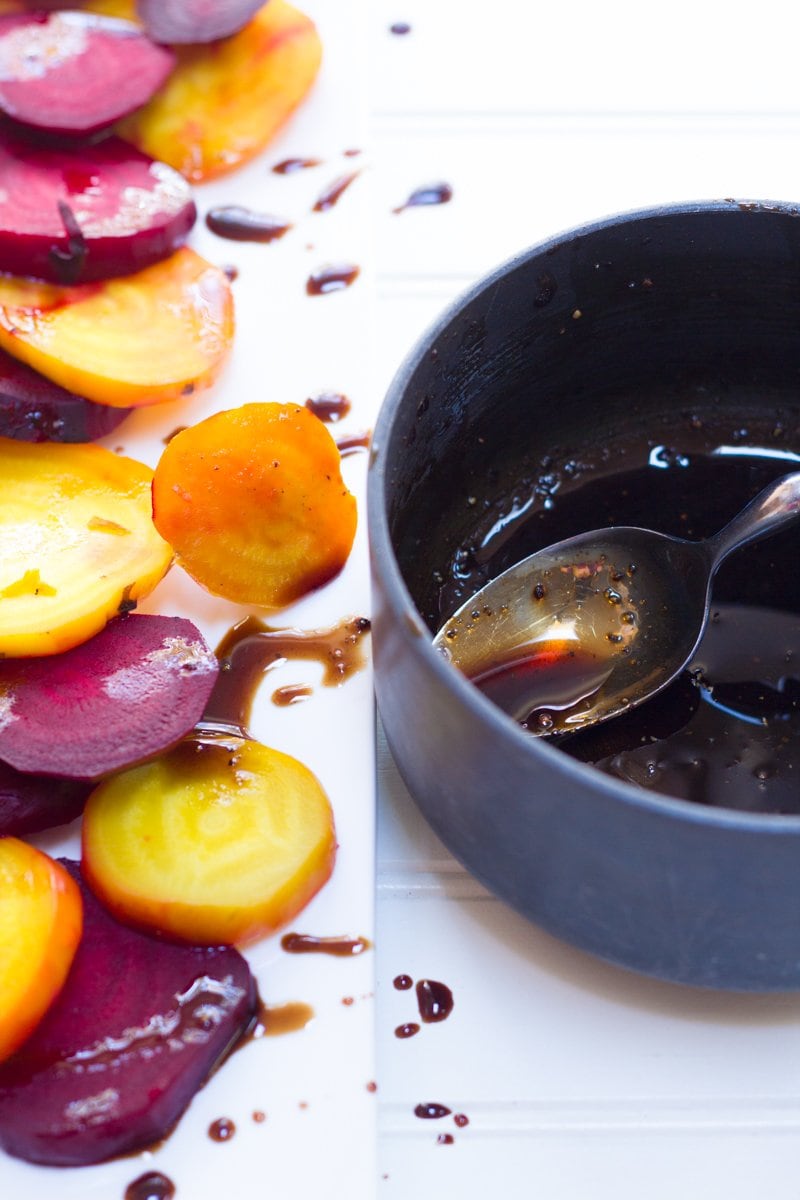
point(429, 194)
point(403, 982)
point(334, 191)
point(330, 407)
point(274, 1020)
point(289, 166)
point(339, 947)
point(291, 693)
point(400, 28)
point(431, 1111)
point(221, 1130)
point(243, 225)
point(435, 1001)
point(445, 1139)
point(353, 443)
point(150, 1186)
point(408, 1030)
point(332, 279)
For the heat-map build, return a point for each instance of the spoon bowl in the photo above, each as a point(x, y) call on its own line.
point(586, 629)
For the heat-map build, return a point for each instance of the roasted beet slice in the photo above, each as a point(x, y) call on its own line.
point(180, 21)
point(76, 72)
point(137, 1029)
point(88, 214)
point(33, 409)
point(125, 695)
point(30, 803)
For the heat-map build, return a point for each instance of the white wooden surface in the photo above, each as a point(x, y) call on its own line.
point(578, 1079)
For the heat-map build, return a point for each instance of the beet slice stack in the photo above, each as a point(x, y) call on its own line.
point(74, 73)
point(137, 1029)
point(33, 409)
point(128, 693)
point(90, 213)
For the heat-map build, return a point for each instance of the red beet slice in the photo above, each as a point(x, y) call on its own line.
point(137, 1029)
point(124, 696)
point(33, 409)
point(180, 21)
point(80, 215)
point(76, 72)
point(30, 803)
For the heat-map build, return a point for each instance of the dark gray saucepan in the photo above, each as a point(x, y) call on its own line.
point(685, 317)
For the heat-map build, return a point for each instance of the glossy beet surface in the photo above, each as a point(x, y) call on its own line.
point(195, 20)
point(30, 803)
point(125, 695)
point(74, 72)
point(137, 1029)
point(71, 216)
point(34, 409)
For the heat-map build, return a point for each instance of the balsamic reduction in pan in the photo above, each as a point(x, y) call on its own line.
point(727, 731)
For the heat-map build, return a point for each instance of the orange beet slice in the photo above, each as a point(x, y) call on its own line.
point(128, 693)
point(195, 20)
point(137, 1029)
point(77, 544)
point(75, 216)
point(76, 72)
point(225, 101)
point(253, 502)
point(218, 841)
point(40, 927)
point(139, 339)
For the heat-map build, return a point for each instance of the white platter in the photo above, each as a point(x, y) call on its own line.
point(313, 1085)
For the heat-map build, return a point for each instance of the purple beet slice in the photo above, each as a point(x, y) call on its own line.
point(75, 72)
point(124, 696)
point(31, 803)
point(74, 216)
point(138, 1027)
point(33, 409)
point(181, 21)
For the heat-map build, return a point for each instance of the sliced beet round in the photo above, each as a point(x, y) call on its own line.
point(33, 409)
point(73, 216)
point(138, 1027)
point(180, 21)
point(124, 696)
point(31, 803)
point(74, 73)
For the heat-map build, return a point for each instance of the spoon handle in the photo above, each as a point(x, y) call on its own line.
point(773, 508)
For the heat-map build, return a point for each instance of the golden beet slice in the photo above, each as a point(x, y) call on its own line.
point(41, 916)
point(253, 503)
point(138, 339)
point(77, 544)
point(224, 101)
point(218, 842)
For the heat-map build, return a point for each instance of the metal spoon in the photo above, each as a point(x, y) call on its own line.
point(592, 626)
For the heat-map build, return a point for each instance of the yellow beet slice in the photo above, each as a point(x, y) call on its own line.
point(41, 917)
point(253, 503)
point(224, 101)
point(77, 543)
point(216, 842)
point(138, 339)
